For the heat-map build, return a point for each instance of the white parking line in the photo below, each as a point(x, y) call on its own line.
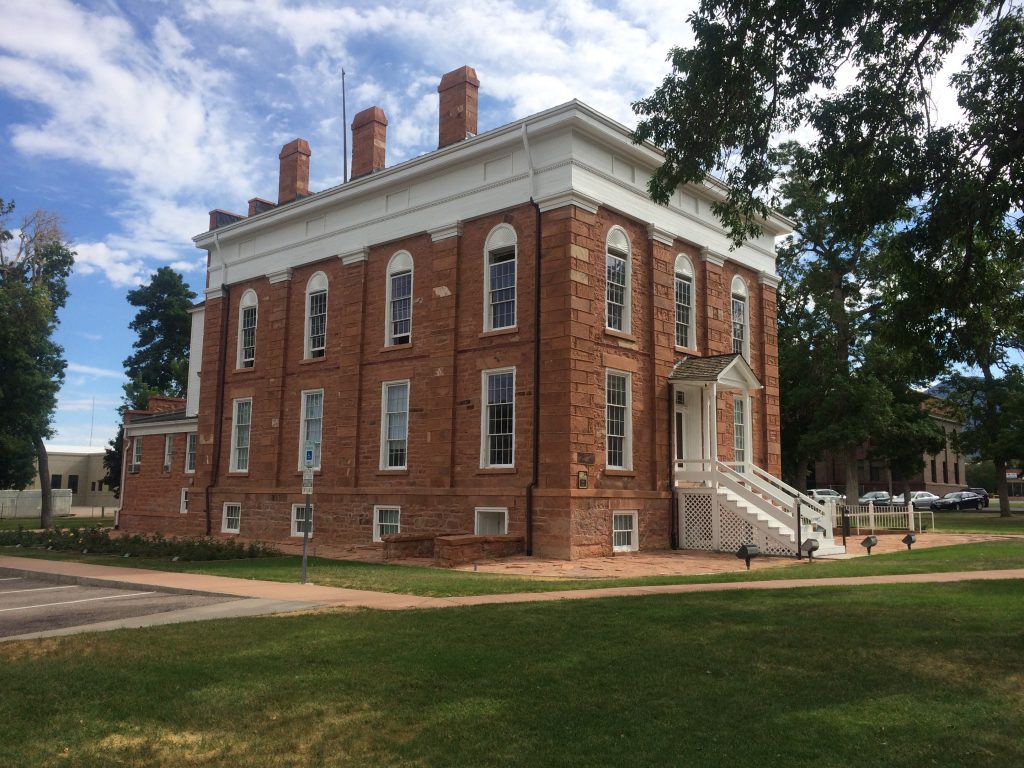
point(36, 589)
point(12, 578)
point(70, 602)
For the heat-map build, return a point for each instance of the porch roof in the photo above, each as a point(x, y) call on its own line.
point(730, 371)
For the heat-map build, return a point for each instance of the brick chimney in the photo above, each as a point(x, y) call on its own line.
point(294, 180)
point(369, 140)
point(457, 115)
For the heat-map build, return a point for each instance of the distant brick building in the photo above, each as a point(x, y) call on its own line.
point(941, 473)
point(501, 337)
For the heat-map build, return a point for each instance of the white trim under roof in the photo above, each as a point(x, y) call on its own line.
point(573, 155)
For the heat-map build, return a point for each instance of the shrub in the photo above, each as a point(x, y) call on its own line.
point(99, 541)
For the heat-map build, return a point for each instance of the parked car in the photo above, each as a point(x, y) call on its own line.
point(959, 500)
point(920, 499)
point(826, 494)
point(880, 498)
point(981, 492)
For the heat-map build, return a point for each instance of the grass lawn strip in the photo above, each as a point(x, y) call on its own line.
point(903, 676)
point(438, 582)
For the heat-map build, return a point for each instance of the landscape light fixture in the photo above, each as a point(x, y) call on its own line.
point(869, 542)
point(809, 547)
point(909, 539)
point(747, 551)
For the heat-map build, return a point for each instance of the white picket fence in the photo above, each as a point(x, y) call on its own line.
point(30, 503)
point(869, 518)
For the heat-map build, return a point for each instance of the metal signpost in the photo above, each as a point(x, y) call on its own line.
point(307, 490)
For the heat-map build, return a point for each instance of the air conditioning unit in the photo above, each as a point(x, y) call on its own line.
point(166, 468)
point(133, 469)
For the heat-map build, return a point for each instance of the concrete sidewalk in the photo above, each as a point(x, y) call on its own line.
point(307, 596)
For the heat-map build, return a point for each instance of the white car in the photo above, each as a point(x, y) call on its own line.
point(826, 494)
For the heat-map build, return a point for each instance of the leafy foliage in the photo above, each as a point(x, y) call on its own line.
point(924, 263)
point(159, 365)
point(160, 361)
point(34, 266)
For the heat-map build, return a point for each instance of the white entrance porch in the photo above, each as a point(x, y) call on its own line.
point(722, 505)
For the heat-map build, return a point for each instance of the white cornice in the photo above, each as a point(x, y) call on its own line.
point(660, 235)
point(280, 275)
point(712, 258)
point(571, 197)
point(772, 281)
point(356, 256)
point(446, 232)
point(214, 293)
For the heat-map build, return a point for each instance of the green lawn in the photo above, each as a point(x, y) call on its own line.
point(987, 521)
point(12, 523)
point(902, 676)
point(439, 582)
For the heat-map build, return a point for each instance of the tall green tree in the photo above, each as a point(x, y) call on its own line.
point(949, 195)
point(994, 428)
point(159, 364)
point(841, 388)
point(34, 266)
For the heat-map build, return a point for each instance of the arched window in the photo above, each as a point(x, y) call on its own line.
point(617, 285)
point(247, 330)
point(684, 302)
point(316, 316)
point(500, 278)
point(740, 318)
point(399, 300)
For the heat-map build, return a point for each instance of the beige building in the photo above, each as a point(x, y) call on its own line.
point(80, 470)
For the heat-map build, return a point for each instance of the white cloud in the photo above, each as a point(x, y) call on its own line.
point(85, 404)
point(88, 370)
point(152, 114)
point(119, 266)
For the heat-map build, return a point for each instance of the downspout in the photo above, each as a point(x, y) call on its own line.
point(535, 462)
point(672, 449)
point(218, 407)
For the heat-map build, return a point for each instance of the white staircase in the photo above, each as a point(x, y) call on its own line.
point(745, 502)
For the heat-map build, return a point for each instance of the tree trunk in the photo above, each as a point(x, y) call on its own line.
point(852, 486)
point(1001, 487)
point(45, 493)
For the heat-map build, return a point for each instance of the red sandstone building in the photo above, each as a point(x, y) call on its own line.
point(504, 337)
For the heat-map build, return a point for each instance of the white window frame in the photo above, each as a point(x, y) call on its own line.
point(304, 429)
point(137, 451)
point(385, 424)
point(485, 408)
point(377, 523)
point(684, 314)
point(477, 511)
point(235, 446)
point(247, 302)
point(634, 530)
point(225, 527)
point(617, 246)
point(168, 452)
point(740, 294)
point(627, 437)
point(741, 431)
point(191, 446)
point(317, 284)
point(501, 240)
point(183, 502)
point(400, 263)
point(296, 530)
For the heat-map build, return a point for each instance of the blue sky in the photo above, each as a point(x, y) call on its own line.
point(132, 119)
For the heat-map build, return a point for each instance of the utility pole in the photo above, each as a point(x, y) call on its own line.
point(344, 128)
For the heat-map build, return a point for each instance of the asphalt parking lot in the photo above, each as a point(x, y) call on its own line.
point(31, 605)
